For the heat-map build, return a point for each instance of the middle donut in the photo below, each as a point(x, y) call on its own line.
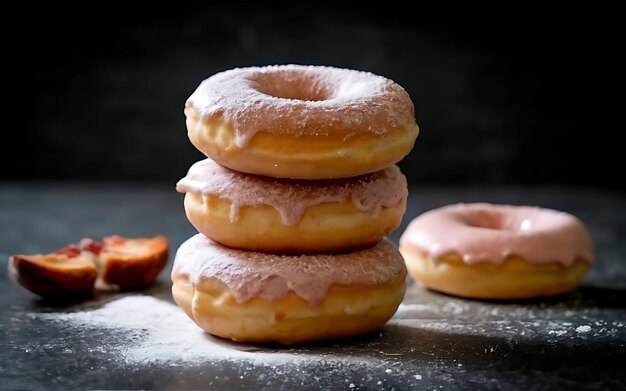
point(252, 212)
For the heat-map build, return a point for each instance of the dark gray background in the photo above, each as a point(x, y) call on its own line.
point(517, 97)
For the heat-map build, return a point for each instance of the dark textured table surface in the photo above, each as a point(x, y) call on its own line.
point(141, 340)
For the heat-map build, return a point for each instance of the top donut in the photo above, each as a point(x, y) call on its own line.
point(301, 122)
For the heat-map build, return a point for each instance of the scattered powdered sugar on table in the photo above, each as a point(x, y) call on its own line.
point(160, 331)
point(523, 322)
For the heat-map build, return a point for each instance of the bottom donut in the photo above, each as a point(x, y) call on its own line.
point(256, 297)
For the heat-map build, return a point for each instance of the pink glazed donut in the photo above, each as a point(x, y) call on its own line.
point(497, 251)
point(301, 122)
point(257, 213)
point(259, 297)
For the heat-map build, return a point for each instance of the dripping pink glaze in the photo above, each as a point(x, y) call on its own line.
point(302, 100)
point(369, 193)
point(250, 274)
point(492, 233)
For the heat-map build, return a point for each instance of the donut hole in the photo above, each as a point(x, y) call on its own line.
point(293, 84)
point(489, 220)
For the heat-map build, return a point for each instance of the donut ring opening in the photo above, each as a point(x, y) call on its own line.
point(292, 85)
point(488, 220)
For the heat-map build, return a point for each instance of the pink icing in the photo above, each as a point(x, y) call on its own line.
point(492, 233)
point(369, 193)
point(251, 274)
point(302, 100)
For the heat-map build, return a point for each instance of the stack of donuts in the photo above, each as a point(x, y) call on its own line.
point(293, 203)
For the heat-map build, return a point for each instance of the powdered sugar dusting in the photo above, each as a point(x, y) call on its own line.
point(251, 274)
point(369, 193)
point(159, 331)
point(302, 100)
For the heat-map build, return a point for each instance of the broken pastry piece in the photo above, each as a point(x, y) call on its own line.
point(132, 263)
point(116, 261)
point(64, 271)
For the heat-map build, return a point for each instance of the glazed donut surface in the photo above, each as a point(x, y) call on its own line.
point(301, 122)
point(497, 251)
point(257, 297)
point(285, 216)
